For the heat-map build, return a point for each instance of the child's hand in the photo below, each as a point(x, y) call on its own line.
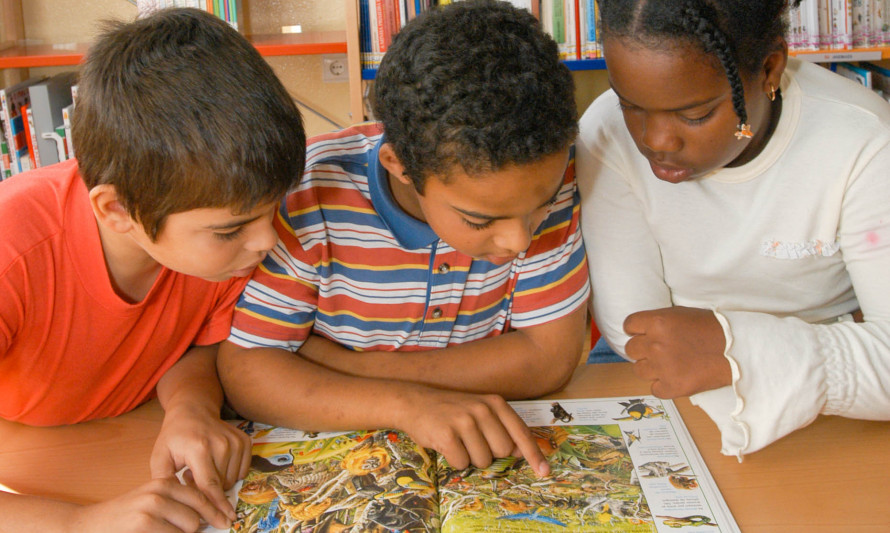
point(160, 506)
point(679, 349)
point(216, 453)
point(472, 429)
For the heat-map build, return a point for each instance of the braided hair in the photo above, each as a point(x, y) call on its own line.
point(738, 34)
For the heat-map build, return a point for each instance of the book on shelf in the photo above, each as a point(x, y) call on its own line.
point(854, 72)
point(5, 172)
point(838, 25)
point(880, 79)
point(30, 139)
point(558, 18)
point(48, 98)
point(228, 10)
point(12, 99)
point(617, 464)
point(67, 112)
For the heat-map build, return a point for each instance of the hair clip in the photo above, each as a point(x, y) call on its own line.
point(744, 132)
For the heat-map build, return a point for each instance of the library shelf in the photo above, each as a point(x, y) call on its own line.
point(286, 44)
point(572, 64)
point(851, 54)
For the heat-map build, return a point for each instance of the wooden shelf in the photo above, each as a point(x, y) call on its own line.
point(853, 54)
point(573, 64)
point(295, 44)
point(290, 44)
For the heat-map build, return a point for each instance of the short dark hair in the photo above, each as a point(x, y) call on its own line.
point(477, 84)
point(179, 111)
point(739, 34)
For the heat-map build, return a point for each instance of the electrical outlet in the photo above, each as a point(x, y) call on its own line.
point(334, 68)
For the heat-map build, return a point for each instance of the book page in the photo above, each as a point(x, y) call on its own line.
point(616, 465)
point(357, 481)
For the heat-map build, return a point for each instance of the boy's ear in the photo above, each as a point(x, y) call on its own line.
point(108, 209)
point(392, 164)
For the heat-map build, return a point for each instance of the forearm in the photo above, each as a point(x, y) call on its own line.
point(281, 388)
point(32, 513)
point(516, 365)
point(192, 381)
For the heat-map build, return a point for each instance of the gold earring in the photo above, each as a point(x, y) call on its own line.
point(744, 132)
point(772, 93)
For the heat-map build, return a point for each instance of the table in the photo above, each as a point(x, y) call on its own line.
point(831, 476)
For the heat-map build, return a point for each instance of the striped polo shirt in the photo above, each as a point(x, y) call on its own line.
point(352, 266)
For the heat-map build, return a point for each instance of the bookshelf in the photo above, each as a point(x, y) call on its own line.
point(28, 26)
point(579, 66)
point(46, 55)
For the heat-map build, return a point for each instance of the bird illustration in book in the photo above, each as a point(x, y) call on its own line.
point(559, 413)
point(632, 436)
point(690, 521)
point(638, 409)
point(661, 468)
point(536, 515)
point(683, 482)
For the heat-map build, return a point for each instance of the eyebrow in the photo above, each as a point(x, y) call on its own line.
point(233, 224)
point(681, 108)
point(474, 214)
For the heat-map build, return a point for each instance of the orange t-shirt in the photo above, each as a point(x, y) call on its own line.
point(70, 348)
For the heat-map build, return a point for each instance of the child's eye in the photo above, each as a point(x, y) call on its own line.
point(477, 225)
point(230, 235)
point(693, 121)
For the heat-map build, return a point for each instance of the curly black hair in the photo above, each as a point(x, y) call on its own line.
point(739, 34)
point(477, 84)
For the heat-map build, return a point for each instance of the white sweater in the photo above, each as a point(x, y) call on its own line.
point(782, 249)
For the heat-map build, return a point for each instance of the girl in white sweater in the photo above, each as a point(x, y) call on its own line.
point(736, 213)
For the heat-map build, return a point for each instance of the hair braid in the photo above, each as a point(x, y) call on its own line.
point(715, 42)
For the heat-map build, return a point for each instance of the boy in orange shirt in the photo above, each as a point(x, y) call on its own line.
point(118, 271)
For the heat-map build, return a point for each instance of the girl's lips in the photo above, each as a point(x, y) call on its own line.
point(670, 174)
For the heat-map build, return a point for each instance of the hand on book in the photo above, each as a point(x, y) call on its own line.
point(162, 505)
point(216, 453)
point(472, 429)
point(679, 349)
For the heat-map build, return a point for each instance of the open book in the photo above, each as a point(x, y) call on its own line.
point(617, 464)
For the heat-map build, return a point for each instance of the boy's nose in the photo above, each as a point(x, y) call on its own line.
point(515, 237)
point(263, 239)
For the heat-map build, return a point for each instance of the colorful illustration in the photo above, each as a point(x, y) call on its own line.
point(617, 464)
point(363, 481)
point(637, 409)
point(592, 487)
point(559, 413)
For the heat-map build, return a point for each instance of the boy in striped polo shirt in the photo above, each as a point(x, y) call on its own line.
point(431, 265)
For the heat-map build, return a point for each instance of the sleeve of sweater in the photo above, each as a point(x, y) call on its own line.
point(623, 256)
point(786, 371)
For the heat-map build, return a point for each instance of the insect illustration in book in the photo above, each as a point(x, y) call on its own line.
point(559, 413)
point(637, 410)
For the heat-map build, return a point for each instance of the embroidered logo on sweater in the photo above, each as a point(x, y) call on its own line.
point(799, 250)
